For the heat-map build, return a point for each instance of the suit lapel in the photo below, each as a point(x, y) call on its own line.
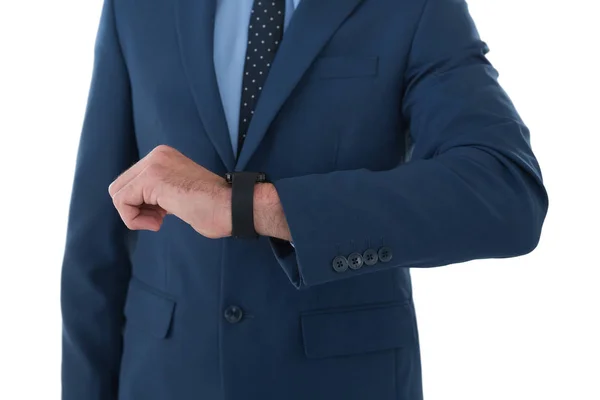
point(195, 22)
point(313, 23)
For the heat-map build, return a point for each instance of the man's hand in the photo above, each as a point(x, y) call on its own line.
point(167, 182)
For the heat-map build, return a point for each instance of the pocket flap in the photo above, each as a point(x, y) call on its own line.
point(149, 310)
point(358, 330)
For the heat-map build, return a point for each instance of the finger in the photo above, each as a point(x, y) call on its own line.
point(132, 202)
point(155, 208)
point(129, 200)
point(126, 177)
point(133, 172)
point(144, 217)
point(147, 219)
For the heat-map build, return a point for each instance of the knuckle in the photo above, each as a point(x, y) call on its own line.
point(161, 152)
point(154, 170)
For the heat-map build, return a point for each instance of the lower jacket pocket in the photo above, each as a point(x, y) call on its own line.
point(148, 310)
point(358, 330)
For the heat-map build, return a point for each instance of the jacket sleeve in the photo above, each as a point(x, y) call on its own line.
point(473, 188)
point(96, 267)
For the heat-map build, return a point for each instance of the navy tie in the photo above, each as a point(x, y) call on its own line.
point(265, 32)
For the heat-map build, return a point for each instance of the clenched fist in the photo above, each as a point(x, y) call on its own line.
point(167, 182)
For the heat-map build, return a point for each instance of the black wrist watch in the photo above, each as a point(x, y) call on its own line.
point(242, 202)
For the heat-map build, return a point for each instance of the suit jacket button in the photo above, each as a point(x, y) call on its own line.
point(340, 264)
point(385, 254)
point(370, 257)
point(233, 314)
point(355, 261)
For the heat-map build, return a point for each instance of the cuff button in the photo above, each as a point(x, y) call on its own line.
point(340, 264)
point(355, 261)
point(385, 254)
point(370, 257)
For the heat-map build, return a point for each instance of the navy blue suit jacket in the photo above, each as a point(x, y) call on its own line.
point(390, 143)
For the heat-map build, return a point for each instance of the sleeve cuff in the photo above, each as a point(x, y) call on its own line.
point(285, 254)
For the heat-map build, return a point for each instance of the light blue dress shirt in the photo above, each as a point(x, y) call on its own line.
point(231, 37)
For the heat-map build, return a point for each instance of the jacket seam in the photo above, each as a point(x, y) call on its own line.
point(119, 44)
point(414, 36)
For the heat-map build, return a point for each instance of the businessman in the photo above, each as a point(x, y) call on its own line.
point(256, 178)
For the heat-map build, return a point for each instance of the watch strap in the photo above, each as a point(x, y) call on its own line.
point(242, 203)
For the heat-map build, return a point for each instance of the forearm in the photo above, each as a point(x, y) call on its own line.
point(458, 207)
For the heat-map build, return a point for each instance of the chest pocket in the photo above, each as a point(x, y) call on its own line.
point(340, 67)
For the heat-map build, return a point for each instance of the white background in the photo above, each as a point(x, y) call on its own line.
point(519, 329)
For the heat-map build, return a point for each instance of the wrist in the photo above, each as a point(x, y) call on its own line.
point(269, 218)
point(223, 212)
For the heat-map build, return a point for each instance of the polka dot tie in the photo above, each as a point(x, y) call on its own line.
point(265, 32)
